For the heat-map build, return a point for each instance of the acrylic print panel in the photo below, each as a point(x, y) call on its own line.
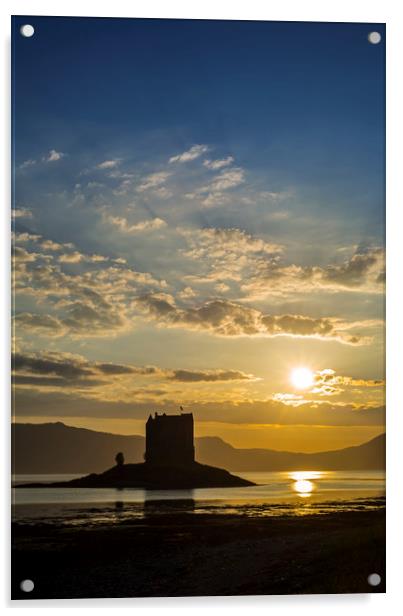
point(198, 305)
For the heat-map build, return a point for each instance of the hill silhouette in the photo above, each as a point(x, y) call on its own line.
point(57, 448)
point(368, 456)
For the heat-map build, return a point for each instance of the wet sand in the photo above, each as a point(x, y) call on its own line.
point(183, 554)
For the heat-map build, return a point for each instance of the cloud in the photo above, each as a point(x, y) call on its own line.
point(73, 257)
point(103, 301)
point(51, 245)
point(98, 258)
point(187, 293)
point(110, 368)
point(25, 237)
point(109, 164)
point(195, 152)
point(89, 318)
point(213, 193)
point(214, 199)
point(43, 243)
point(153, 180)
point(53, 156)
point(86, 402)
point(79, 257)
point(144, 225)
point(354, 271)
point(328, 383)
point(21, 212)
point(298, 325)
point(289, 399)
point(218, 164)
point(65, 365)
point(226, 318)
point(191, 376)
point(93, 302)
point(225, 243)
point(53, 382)
point(362, 272)
point(39, 324)
point(226, 254)
point(27, 163)
point(259, 269)
point(162, 192)
point(221, 287)
point(73, 367)
point(20, 255)
point(54, 370)
point(106, 380)
point(52, 277)
point(227, 179)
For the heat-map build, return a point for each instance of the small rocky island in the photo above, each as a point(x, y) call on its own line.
point(169, 463)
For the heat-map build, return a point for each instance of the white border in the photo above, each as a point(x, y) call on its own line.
point(388, 11)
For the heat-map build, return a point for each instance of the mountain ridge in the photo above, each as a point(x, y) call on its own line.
point(54, 447)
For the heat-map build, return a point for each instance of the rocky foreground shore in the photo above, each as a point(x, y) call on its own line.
point(187, 554)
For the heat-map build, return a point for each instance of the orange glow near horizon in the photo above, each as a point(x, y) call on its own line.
point(304, 438)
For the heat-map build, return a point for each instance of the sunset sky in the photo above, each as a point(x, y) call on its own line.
point(198, 211)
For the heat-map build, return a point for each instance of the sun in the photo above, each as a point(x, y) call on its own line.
point(302, 378)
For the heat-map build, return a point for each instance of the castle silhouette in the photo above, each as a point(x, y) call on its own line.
point(169, 440)
point(169, 463)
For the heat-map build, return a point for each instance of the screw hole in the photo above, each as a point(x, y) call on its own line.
point(27, 585)
point(27, 30)
point(374, 38)
point(374, 579)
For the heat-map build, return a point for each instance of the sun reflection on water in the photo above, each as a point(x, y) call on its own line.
point(303, 487)
point(303, 481)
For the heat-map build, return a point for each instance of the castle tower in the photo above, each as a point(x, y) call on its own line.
point(169, 440)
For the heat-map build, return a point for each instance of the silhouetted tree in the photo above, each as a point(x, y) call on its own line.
point(120, 459)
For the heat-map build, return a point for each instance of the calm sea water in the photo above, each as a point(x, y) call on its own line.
point(277, 493)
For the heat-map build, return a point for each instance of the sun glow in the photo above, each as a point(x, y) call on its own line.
point(302, 378)
point(303, 481)
point(303, 487)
